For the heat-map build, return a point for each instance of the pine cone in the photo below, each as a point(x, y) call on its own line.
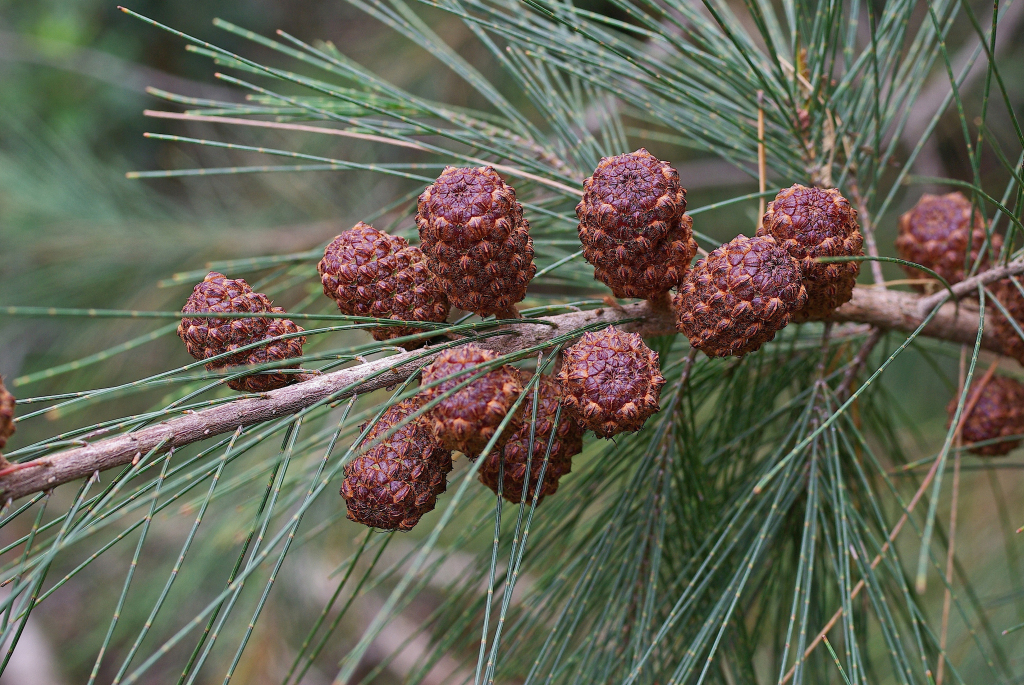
point(7, 426)
point(208, 337)
point(633, 227)
point(935, 234)
point(810, 223)
point(466, 420)
point(568, 443)
point(370, 273)
point(611, 381)
point(476, 240)
point(395, 483)
point(739, 296)
point(1009, 295)
point(998, 412)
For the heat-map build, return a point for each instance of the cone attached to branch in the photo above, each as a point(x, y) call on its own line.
point(396, 482)
point(568, 442)
point(476, 240)
point(998, 413)
point(208, 337)
point(738, 297)
point(633, 227)
point(611, 381)
point(467, 419)
point(370, 273)
point(938, 232)
point(816, 222)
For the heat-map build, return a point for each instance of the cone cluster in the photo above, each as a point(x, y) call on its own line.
point(476, 254)
point(371, 273)
point(998, 412)
point(396, 482)
point(207, 337)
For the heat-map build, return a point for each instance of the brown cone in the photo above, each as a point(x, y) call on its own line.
point(370, 273)
point(739, 296)
point(810, 223)
point(633, 227)
point(935, 234)
point(611, 381)
point(395, 483)
point(476, 240)
point(7, 425)
point(1009, 295)
point(568, 443)
point(208, 337)
point(466, 420)
point(997, 413)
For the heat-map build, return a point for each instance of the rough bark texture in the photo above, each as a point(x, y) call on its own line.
point(886, 309)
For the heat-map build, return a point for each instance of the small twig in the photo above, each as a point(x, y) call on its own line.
point(661, 301)
point(964, 288)
point(761, 158)
point(868, 231)
point(857, 363)
point(510, 313)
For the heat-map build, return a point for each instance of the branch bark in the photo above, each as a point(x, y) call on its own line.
point(886, 309)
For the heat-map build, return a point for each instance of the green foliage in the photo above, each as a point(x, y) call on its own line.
point(712, 546)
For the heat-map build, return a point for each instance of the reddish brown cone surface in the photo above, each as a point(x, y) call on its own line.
point(936, 234)
point(208, 337)
point(7, 425)
point(370, 273)
point(739, 296)
point(568, 442)
point(476, 240)
point(998, 413)
point(1009, 294)
point(611, 381)
point(633, 227)
point(466, 420)
point(810, 223)
point(395, 483)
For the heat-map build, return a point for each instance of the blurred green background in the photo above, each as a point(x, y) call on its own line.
point(74, 232)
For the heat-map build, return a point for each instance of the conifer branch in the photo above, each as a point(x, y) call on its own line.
point(884, 309)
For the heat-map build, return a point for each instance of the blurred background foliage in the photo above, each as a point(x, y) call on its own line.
point(74, 232)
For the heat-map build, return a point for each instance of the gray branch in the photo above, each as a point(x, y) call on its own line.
point(885, 309)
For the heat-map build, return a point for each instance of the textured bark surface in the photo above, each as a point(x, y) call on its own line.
point(886, 309)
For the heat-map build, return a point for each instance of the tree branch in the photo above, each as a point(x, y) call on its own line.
point(885, 309)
